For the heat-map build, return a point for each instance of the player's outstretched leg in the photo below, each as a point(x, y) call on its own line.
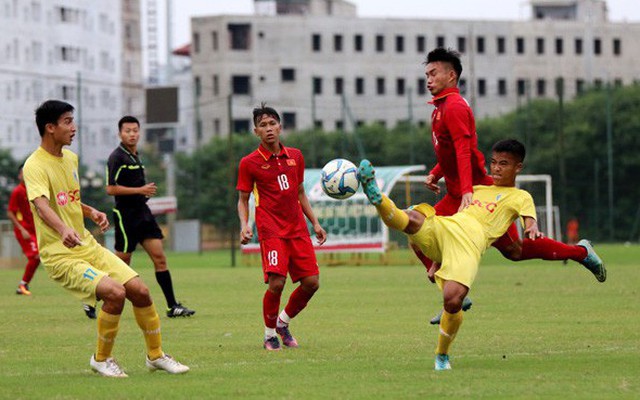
point(466, 305)
point(368, 179)
point(592, 262)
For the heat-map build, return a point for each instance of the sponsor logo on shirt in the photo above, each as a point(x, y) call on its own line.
point(291, 162)
point(489, 206)
point(63, 198)
point(266, 166)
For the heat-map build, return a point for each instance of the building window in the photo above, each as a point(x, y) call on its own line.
point(422, 86)
point(480, 44)
point(380, 89)
point(597, 83)
point(216, 85)
point(317, 124)
point(359, 86)
point(579, 86)
point(216, 127)
point(379, 43)
point(559, 46)
point(196, 42)
point(462, 44)
point(482, 87)
point(578, 46)
point(240, 35)
point(316, 42)
point(462, 86)
point(522, 87)
point(420, 44)
point(339, 125)
point(214, 40)
point(501, 45)
point(540, 45)
point(597, 46)
point(357, 43)
point(617, 82)
point(440, 41)
point(339, 86)
point(241, 84)
point(399, 44)
point(520, 45)
point(239, 126)
point(541, 87)
point(288, 74)
point(617, 47)
point(502, 87)
point(197, 86)
point(317, 85)
point(400, 86)
point(337, 43)
point(289, 120)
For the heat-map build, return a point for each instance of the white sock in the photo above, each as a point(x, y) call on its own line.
point(25, 283)
point(269, 332)
point(283, 319)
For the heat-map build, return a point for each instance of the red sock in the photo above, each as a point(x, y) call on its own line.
point(549, 249)
point(270, 306)
point(30, 269)
point(297, 302)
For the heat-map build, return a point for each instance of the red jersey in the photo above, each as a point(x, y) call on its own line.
point(456, 144)
point(274, 180)
point(19, 205)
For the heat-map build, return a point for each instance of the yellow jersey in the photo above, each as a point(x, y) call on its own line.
point(55, 178)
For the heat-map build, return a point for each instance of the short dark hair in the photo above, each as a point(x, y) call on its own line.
point(258, 112)
point(511, 146)
point(126, 120)
point(448, 56)
point(49, 112)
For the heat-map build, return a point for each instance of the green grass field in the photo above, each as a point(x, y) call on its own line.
point(536, 330)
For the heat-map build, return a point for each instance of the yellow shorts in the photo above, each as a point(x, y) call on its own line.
point(457, 248)
point(81, 270)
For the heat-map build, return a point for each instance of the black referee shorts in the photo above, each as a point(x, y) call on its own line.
point(133, 226)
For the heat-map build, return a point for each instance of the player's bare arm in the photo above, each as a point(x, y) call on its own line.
point(531, 228)
point(148, 190)
point(321, 234)
point(12, 217)
point(432, 183)
point(466, 200)
point(243, 213)
point(98, 217)
point(69, 237)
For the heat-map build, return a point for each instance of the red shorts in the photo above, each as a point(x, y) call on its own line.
point(29, 246)
point(449, 205)
point(295, 256)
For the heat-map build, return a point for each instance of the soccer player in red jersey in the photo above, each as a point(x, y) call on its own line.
point(462, 165)
point(275, 175)
point(19, 212)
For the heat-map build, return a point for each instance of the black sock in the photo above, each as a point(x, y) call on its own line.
point(164, 280)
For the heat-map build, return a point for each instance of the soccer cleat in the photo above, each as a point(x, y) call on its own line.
point(368, 179)
point(272, 343)
point(166, 363)
point(108, 367)
point(592, 262)
point(287, 339)
point(179, 310)
point(23, 289)
point(90, 311)
point(442, 362)
point(466, 304)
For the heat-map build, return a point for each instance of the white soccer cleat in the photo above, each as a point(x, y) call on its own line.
point(166, 363)
point(108, 367)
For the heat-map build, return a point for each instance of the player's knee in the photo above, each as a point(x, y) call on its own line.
point(453, 305)
point(312, 287)
point(115, 295)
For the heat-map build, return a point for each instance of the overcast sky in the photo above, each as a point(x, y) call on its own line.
point(183, 10)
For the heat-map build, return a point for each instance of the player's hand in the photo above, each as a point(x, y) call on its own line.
point(25, 234)
point(245, 235)
point(70, 238)
point(149, 189)
point(321, 234)
point(432, 184)
point(100, 219)
point(431, 272)
point(465, 201)
point(532, 232)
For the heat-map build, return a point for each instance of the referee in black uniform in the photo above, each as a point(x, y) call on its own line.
point(133, 220)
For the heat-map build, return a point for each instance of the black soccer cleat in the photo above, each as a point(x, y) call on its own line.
point(179, 310)
point(90, 311)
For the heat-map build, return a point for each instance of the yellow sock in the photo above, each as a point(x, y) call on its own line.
point(449, 325)
point(392, 217)
point(149, 321)
point(107, 331)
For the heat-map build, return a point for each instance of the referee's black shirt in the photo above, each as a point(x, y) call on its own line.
point(126, 169)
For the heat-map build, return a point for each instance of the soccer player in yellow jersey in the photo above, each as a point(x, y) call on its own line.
point(457, 242)
point(71, 255)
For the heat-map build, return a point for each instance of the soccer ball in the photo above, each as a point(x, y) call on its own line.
point(339, 179)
